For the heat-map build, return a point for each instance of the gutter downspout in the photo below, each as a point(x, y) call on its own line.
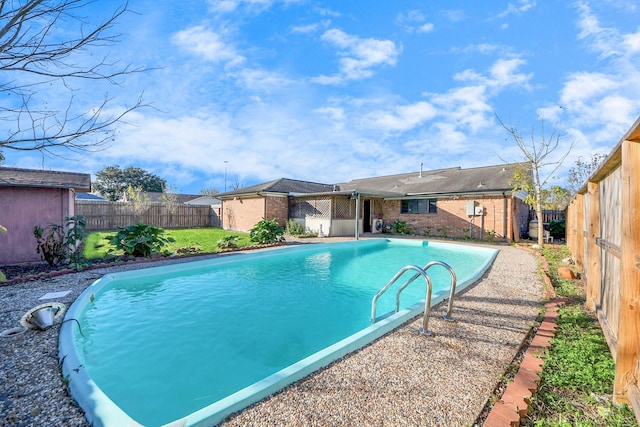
point(504, 216)
point(357, 215)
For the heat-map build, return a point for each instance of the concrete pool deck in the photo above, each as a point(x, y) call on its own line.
point(400, 379)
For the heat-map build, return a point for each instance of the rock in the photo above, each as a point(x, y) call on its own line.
point(566, 273)
point(567, 261)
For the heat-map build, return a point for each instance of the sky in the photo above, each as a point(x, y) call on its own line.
point(239, 92)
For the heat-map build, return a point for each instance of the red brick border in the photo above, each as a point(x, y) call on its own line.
point(514, 404)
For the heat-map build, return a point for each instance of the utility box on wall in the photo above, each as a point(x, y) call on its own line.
point(471, 208)
point(479, 211)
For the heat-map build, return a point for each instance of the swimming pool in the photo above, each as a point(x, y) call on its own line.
point(213, 336)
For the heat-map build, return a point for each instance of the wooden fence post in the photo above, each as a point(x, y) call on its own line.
point(592, 265)
point(628, 355)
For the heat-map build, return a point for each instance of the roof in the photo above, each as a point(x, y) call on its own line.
point(442, 181)
point(14, 177)
point(283, 186)
point(156, 197)
point(89, 197)
point(205, 201)
point(486, 179)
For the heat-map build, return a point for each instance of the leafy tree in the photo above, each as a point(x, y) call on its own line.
point(36, 56)
point(537, 151)
point(112, 182)
point(555, 198)
point(209, 192)
point(583, 169)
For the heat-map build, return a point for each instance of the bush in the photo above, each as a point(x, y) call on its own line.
point(50, 243)
point(400, 227)
point(55, 244)
point(294, 228)
point(557, 228)
point(140, 240)
point(266, 232)
point(228, 242)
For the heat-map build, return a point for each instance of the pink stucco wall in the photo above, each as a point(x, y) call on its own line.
point(23, 208)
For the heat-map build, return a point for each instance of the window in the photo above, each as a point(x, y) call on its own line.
point(418, 206)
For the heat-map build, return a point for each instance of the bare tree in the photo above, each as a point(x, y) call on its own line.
point(583, 169)
point(537, 150)
point(34, 58)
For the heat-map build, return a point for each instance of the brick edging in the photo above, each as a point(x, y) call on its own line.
point(514, 403)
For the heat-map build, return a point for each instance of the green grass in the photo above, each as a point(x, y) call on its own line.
point(187, 240)
point(576, 384)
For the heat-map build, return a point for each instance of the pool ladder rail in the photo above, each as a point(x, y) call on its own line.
point(424, 330)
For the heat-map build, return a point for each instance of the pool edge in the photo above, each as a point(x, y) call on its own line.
point(101, 411)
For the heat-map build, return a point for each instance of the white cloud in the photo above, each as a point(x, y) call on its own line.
point(583, 86)
point(227, 6)
point(517, 9)
point(401, 118)
point(631, 42)
point(310, 28)
point(359, 56)
point(503, 73)
point(414, 21)
point(207, 45)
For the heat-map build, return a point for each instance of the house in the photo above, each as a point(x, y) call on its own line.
point(89, 197)
point(214, 203)
point(34, 197)
point(453, 202)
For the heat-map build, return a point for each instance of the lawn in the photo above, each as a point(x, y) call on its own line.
point(187, 241)
point(576, 385)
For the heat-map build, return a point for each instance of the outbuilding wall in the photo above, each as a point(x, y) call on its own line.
point(21, 209)
point(241, 214)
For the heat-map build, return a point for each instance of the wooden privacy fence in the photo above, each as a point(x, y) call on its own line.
point(111, 215)
point(603, 233)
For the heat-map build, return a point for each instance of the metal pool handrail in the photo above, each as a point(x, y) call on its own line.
point(427, 309)
point(452, 292)
point(427, 306)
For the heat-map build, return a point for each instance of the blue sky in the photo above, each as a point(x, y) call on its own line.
point(330, 91)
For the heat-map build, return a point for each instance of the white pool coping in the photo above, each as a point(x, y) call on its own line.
point(101, 411)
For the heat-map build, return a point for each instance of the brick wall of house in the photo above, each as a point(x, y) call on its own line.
point(277, 208)
point(451, 219)
point(243, 213)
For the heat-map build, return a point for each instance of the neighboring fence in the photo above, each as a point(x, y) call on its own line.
point(603, 233)
point(548, 215)
point(111, 215)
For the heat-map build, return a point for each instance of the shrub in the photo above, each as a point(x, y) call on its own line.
point(50, 243)
point(266, 232)
point(55, 244)
point(491, 235)
point(557, 228)
point(400, 227)
point(74, 240)
point(140, 240)
point(228, 242)
point(294, 228)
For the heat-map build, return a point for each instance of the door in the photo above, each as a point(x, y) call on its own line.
point(366, 217)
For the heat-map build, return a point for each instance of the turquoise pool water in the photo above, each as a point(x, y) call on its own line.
point(200, 340)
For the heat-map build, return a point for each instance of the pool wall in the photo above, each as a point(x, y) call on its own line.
point(100, 410)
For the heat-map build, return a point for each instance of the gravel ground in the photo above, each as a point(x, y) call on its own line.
point(401, 379)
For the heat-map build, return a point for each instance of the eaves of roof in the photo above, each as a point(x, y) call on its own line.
point(15, 177)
